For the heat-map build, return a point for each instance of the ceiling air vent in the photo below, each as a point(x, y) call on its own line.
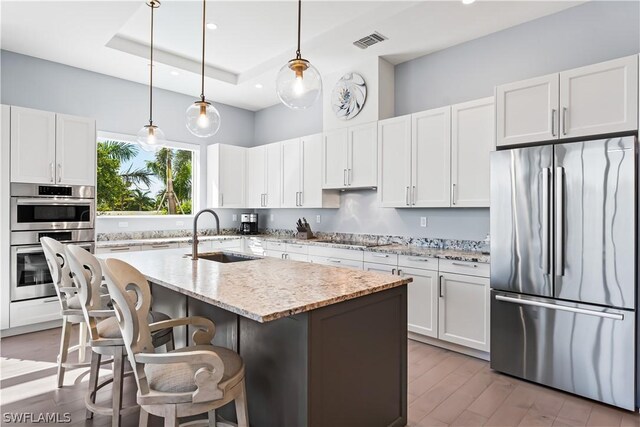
point(370, 40)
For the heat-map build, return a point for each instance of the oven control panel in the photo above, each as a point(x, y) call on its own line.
point(49, 190)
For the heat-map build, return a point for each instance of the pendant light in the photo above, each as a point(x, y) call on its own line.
point(203, 119)
point(150, 136)
point(299, 83)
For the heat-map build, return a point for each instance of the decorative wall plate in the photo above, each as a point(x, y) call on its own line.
point(348, 96)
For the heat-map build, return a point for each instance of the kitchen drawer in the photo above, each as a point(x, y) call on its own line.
point(379, 268)
point(296, 257)
point(336, 262)
point(381, 258)
point(117, 249)
point(327, 252)
point(479, 269)
point(275, 246)
point(294, 248)
point(34, 311)
point(421, 262)
point(254, 246)
point(159, 246)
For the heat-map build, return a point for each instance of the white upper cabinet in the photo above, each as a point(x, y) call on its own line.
point(600, 98)
point(311, 188)
point(274, 178)
point(431, 158)
point(350, 157)
point(587, 101)
point(33, 146)
point(394, 153)
point(226, 176)
point(335, 149)
point(75, 150)
point(472, 139)
point(256, 185)
point(52, 148)
point(527, 111)
point(291, 173)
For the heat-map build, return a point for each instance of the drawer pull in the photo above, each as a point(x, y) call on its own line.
point(381, 255)
point(420, 259)
point(334, 260)
point(459, 264)
point(126, 248)
point(159, 246)
point(296, 246)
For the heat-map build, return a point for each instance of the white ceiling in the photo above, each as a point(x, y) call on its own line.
point(253, 40)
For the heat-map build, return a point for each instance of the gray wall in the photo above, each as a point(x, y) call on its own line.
point(119, 106)
point(582, 35)
point(593, 32)
point(278, 122)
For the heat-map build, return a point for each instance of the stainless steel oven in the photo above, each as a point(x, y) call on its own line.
point(30, 276)
point(51, 207)
point(62, 212)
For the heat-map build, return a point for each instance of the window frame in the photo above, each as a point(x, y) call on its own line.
point(195, 170)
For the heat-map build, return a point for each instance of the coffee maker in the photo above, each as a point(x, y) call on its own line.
point(249, 223)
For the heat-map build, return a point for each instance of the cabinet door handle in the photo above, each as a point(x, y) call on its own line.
point(59, 172)
point(51, 171)
point(419, 259)
point(221, 199)
point(453, 195)
point(266, 199)
point(344, 178)
point(564, 120)
point(460, 264)
point(399, 272)
point(301, 198)
point(413, 195)
point(349, 176)
point(440, 288)
point(406, 196)
point(553, 122)
point(393, 271)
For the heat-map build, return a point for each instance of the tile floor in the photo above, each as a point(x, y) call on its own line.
point(445, 388)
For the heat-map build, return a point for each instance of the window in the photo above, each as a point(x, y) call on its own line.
point(132, 181)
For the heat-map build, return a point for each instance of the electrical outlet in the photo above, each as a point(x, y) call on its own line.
point(234, 217)
point(123, 224)
point(423, 221)
point(317, 219)
point(271, 217)
point(180, 223)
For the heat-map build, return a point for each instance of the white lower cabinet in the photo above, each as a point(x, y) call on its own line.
point(463, 310)
point(422, 301)
point(30, 312)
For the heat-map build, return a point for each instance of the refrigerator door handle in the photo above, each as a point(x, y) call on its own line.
point(524, 301)
point(560, 212)
point(546, 222)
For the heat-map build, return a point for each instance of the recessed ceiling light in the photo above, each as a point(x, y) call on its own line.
point(468, 1)
point(212, 26)
point(174, 73)
point(258, 85)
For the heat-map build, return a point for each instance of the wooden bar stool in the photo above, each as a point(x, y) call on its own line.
point(184, 382)
point(69, 307)
point(104, 333)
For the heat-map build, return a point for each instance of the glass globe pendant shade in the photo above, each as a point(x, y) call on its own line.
point(298, 84)
point(203, 119)
point(150, 137)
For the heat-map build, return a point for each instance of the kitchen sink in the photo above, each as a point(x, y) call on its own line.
point(225, 257)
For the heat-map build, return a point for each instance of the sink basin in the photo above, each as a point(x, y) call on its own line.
point(225, 257)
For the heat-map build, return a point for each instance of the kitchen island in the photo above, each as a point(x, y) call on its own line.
point(323, 346)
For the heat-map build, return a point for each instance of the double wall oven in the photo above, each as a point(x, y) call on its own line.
point(62, 212)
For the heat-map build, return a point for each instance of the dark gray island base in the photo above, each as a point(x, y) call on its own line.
point(343, 364)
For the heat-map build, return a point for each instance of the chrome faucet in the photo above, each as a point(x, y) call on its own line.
point(194, 250)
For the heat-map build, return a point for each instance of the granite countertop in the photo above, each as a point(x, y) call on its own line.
point(452, 254)
point(263, 289)
point(158, 241)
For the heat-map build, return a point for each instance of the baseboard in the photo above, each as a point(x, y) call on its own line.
point(450, 346)
point(30, 328)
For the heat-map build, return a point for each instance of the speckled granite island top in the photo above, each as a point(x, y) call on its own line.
point(263, 289)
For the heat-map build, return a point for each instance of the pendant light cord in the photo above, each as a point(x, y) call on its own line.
point(204, 30)
point(152, 6)
point(298, 56)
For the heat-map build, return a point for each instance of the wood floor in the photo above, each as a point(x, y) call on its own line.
point(445, 388)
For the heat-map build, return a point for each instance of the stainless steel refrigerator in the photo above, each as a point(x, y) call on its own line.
point(563, 267)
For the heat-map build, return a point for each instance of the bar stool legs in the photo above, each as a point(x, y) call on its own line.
point(65, 349)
